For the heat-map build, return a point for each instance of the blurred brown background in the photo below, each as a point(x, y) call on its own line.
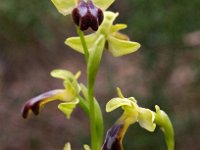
point(165, 71)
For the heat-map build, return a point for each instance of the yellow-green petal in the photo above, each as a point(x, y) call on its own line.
point(65, 7)
point(75, 42)
point(146, 119)
point(118, 27)
point(103, 4)
point(105, 27)
point(120, 47)
point(114, 103)
point(70, 82)
point(68, 107)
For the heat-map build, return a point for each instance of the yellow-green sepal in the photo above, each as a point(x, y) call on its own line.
point(76, 44)
point(120, 47)
point(65, 7)
point(103, 4)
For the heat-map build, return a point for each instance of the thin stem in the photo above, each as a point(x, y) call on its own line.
point(85, 48)
point(92, 115)
point(90, 93)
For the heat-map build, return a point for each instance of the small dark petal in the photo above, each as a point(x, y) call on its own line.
point(35, 103)
point(113, 138)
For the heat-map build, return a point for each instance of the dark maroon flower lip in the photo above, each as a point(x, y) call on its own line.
point(113, 140)
point(35, 103)
point(87, 15)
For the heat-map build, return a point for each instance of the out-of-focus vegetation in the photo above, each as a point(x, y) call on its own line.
point(166, 71)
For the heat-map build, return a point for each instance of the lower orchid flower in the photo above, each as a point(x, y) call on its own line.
point(68, 95)
point(133, 113)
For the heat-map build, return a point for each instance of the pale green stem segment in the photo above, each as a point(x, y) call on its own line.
point(93, 61)
point(81, 34)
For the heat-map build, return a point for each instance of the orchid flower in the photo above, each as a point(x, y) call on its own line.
point(133, 113)
point(118, 44)
point(68, 95)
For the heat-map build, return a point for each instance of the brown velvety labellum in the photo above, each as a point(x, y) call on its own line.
point(87, 15)
point(35, 103)
point(113, 138)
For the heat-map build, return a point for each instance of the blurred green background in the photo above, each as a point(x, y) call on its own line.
point(165, 71)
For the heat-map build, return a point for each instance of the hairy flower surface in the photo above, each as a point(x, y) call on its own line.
point(118, 44)
point(86, 15)
point(67, 95)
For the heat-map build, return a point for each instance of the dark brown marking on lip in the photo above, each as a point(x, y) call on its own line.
point(35, 103)
point(113, 138)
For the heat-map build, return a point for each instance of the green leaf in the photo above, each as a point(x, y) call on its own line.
point(75, 42)
point(120, 47)
point(68, 107)
point(65, 7)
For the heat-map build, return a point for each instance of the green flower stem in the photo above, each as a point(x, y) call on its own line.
point(92, 115)
point(81, 34)
point(95, 141)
